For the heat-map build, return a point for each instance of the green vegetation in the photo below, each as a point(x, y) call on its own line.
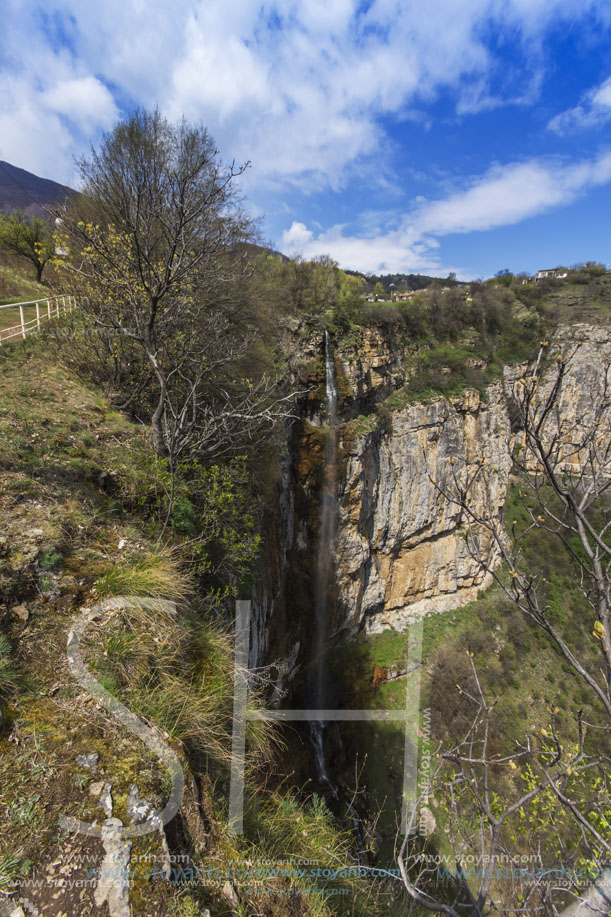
point(29, 238)
point(8, 675)
point(137, 450)
point(16, 285)
point(157, 574)
point(519, 669)
point(461, 336)
point(75, 537)
point(178, 673)
point(12, 870)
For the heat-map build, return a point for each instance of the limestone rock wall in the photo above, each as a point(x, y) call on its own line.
point(372, 367)
point(585, 391)
point(400, 547)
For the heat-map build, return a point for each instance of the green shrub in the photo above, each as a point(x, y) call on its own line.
point(382, 314)
point(49, 559)
point(185, 907)
point(446, 369)
point(415, 315)
point(184, 517)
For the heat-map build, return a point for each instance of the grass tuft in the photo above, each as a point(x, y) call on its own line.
point(8, 674)
point(12, 869)
point(156, 574)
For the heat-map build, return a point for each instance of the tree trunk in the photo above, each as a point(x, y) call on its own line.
point(157, 428)
point(157, 417)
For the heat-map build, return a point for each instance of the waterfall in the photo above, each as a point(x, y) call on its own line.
point(321, 691)
point(331, 390)
point(324, 569)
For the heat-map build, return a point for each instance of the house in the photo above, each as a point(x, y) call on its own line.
point(557, 273)
point(58, 248)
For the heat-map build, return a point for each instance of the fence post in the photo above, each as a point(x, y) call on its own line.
point(49, 309)
point(38, 315)
point(21, 316)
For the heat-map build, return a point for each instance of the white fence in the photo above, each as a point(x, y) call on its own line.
point(33, 314)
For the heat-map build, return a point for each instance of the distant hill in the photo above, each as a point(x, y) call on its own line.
point(22, 190)
point(397, 281)
point(252, 248)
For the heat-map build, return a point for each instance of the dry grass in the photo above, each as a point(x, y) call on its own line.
point(18, 280)
point(8, 675)
point(178, 672)
point(156, 574)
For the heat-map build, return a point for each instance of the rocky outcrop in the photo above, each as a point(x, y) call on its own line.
point(371, 368)
point(400, 548)
point(584, 397)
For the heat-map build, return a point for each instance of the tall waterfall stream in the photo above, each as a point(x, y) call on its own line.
point(321, 693)
point(324, 571)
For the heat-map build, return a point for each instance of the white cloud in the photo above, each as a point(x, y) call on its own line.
point(50, 105)
point(295, 238)
point(505, 195)
point(385, 251)
point(85, 101)
point(30, 136)
point(296, 86)
point(302, 88)
point(511, 193)
point(594, 110)
point(225, 76)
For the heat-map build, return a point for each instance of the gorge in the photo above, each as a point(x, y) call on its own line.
point(360, 540)
point(399, 545)
point(368, 540)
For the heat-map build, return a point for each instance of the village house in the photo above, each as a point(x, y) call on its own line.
point(557, 273)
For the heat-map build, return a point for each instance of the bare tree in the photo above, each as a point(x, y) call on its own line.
point(155, 251)
point(564, 465)
point(546, 789)
point(497, 806)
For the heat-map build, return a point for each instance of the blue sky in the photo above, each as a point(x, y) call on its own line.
point(394, 135)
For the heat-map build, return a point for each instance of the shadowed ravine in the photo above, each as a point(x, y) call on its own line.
point(322, 694)
point(319, 690)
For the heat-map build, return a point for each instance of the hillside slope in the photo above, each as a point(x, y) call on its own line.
point(22, 190)
point(78, 523)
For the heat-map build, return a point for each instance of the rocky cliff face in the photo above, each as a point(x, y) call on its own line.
point(372, 367)
point(584, 394)
point(400, 548)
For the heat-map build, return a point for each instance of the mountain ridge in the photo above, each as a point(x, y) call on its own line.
point(23, 190)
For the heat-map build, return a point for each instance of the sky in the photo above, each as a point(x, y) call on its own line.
point(432, 136)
